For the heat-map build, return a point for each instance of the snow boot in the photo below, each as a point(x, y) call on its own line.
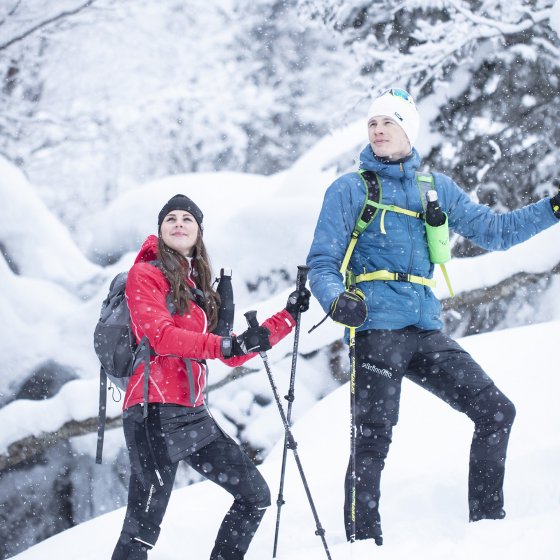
point(496, 514)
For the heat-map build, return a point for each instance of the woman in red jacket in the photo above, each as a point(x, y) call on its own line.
point(178, 425)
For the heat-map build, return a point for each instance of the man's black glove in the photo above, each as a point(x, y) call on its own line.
point(349, 309)
point(298, 302)
point(254, 339)
point(555, 200)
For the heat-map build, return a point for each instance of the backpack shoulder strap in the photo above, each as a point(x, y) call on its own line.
point(367, 214)
point(373, 198)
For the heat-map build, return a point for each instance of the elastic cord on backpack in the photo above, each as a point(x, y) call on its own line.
point(116, 393)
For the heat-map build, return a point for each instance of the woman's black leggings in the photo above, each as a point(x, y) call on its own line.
point(222, 461)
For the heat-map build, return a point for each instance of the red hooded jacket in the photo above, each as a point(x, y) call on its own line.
point(175, 337)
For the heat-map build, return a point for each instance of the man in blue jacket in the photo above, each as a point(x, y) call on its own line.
point(397, 321)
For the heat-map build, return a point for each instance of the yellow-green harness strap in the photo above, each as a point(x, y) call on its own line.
point(349, 251)
point(447, 281)
point(393, 208)
point(385, 275)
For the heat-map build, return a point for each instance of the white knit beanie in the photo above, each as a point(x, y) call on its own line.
point(402, 111)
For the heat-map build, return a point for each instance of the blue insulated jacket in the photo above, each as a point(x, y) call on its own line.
point(403, 248)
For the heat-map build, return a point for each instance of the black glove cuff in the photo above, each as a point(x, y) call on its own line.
point(349, 309)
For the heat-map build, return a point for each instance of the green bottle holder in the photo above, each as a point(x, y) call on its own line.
point(438, 242)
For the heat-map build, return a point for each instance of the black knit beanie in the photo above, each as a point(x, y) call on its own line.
point(181, 202)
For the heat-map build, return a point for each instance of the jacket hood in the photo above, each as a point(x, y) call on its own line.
point(403, 168)
point(148, 252)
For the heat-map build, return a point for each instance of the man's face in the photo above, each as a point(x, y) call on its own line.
point(388, 140)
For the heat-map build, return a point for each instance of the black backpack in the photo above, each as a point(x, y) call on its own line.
point(117, 350)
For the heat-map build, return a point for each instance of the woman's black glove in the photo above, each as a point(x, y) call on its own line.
point(349, 309)
point(254, 339)
point(298, 302)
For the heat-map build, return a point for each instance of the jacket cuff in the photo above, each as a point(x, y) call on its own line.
point(287, 316)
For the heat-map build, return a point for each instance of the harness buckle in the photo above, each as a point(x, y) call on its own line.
point(401, 277)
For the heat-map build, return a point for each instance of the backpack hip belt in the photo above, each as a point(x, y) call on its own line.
point(385, 275)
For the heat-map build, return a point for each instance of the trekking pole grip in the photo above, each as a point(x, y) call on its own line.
point(301, 278)
point(251, 317)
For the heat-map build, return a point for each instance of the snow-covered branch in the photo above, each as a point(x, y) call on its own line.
point(502, 27)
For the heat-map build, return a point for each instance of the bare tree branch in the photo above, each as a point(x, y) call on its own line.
point(30, 447)
point(26, 33)
point(504, 290)
point(235, 374)
point(11, 12)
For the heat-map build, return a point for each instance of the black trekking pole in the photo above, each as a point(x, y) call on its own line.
point(251, 317)
point(352, 434)
point(300, 285)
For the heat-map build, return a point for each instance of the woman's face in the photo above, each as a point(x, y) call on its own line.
point(179, 231)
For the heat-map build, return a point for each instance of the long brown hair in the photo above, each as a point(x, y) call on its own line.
point(176, 269)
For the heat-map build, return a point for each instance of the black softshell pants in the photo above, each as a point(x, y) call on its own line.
point(436, 362)
point(221, 460)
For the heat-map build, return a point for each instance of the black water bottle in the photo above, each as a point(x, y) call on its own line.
point(226, 312)
point(434, 214)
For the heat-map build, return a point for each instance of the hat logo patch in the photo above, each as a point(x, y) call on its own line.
point(398, 117)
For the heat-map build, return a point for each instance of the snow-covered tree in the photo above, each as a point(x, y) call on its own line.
point(120, 93)
point(486, 74)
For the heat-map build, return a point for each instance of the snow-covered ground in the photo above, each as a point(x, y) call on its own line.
point(424, 511)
